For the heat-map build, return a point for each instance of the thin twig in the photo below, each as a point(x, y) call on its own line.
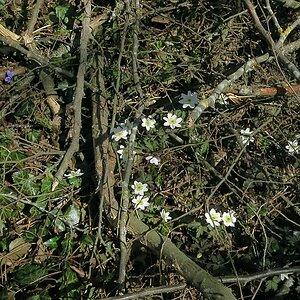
point(247, 67)
point(128, 168)
point(79, 94)
point(284, 34)
point(118, 80)
point(211, 100)
point(290, 3)
point(273, 46)
point(260, 275)
point(150, 292)
point(34, 17)
point(273, 16)
point(41, 60)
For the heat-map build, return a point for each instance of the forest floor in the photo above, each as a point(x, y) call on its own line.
point(149, 149)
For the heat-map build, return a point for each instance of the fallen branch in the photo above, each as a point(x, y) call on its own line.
point(195, 275)
point(247, 67)
point(211, 100)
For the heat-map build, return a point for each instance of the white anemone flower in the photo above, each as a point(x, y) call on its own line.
point(73, 174)
point(119, 133)
point(246, 136)
point(172, 121)
point(189, 100)
point(148, 123)
point(139, 188)
point(153, 160)
point(213, 218)
point(293, 147)
point(229, 219)
point(140, 202)
point(165, 215)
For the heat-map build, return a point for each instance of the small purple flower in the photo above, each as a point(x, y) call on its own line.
point(9, 76)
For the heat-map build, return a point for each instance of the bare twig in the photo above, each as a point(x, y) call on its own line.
point(51, 94)
point(273, 46)
point(32, 21)
point(210, 101)
point(247, 67)
point(41, 60)
point(118, 79)
point(128, 168)
point(260, 275)
point(79, 94)
point(9, 34)
point(150, 292)
point(273, 16)
point(284, 34)
point(105, 159)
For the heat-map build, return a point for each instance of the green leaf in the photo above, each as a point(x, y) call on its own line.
point(16, 156)
point(30, 274)
point(70, 276)
point(67, 245)
point(26, 182)
point(272, 284)
point(76, 181)
point(41, 202)
point(34, 136)
point(25, 109)
point(149, 145)
point(87, 240)
point(47, 184)
point(43, 122)
point(52, 243)
point(61, 11)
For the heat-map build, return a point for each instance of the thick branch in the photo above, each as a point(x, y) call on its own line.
point(79, 94)
point(199, 278)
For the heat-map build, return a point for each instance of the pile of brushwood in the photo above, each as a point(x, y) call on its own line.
point(149, 149)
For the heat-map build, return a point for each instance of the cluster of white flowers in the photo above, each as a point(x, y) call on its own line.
point(246, 136)
point(171, 120)
point(292, 147)
point(214, 218)
point(140, 201)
